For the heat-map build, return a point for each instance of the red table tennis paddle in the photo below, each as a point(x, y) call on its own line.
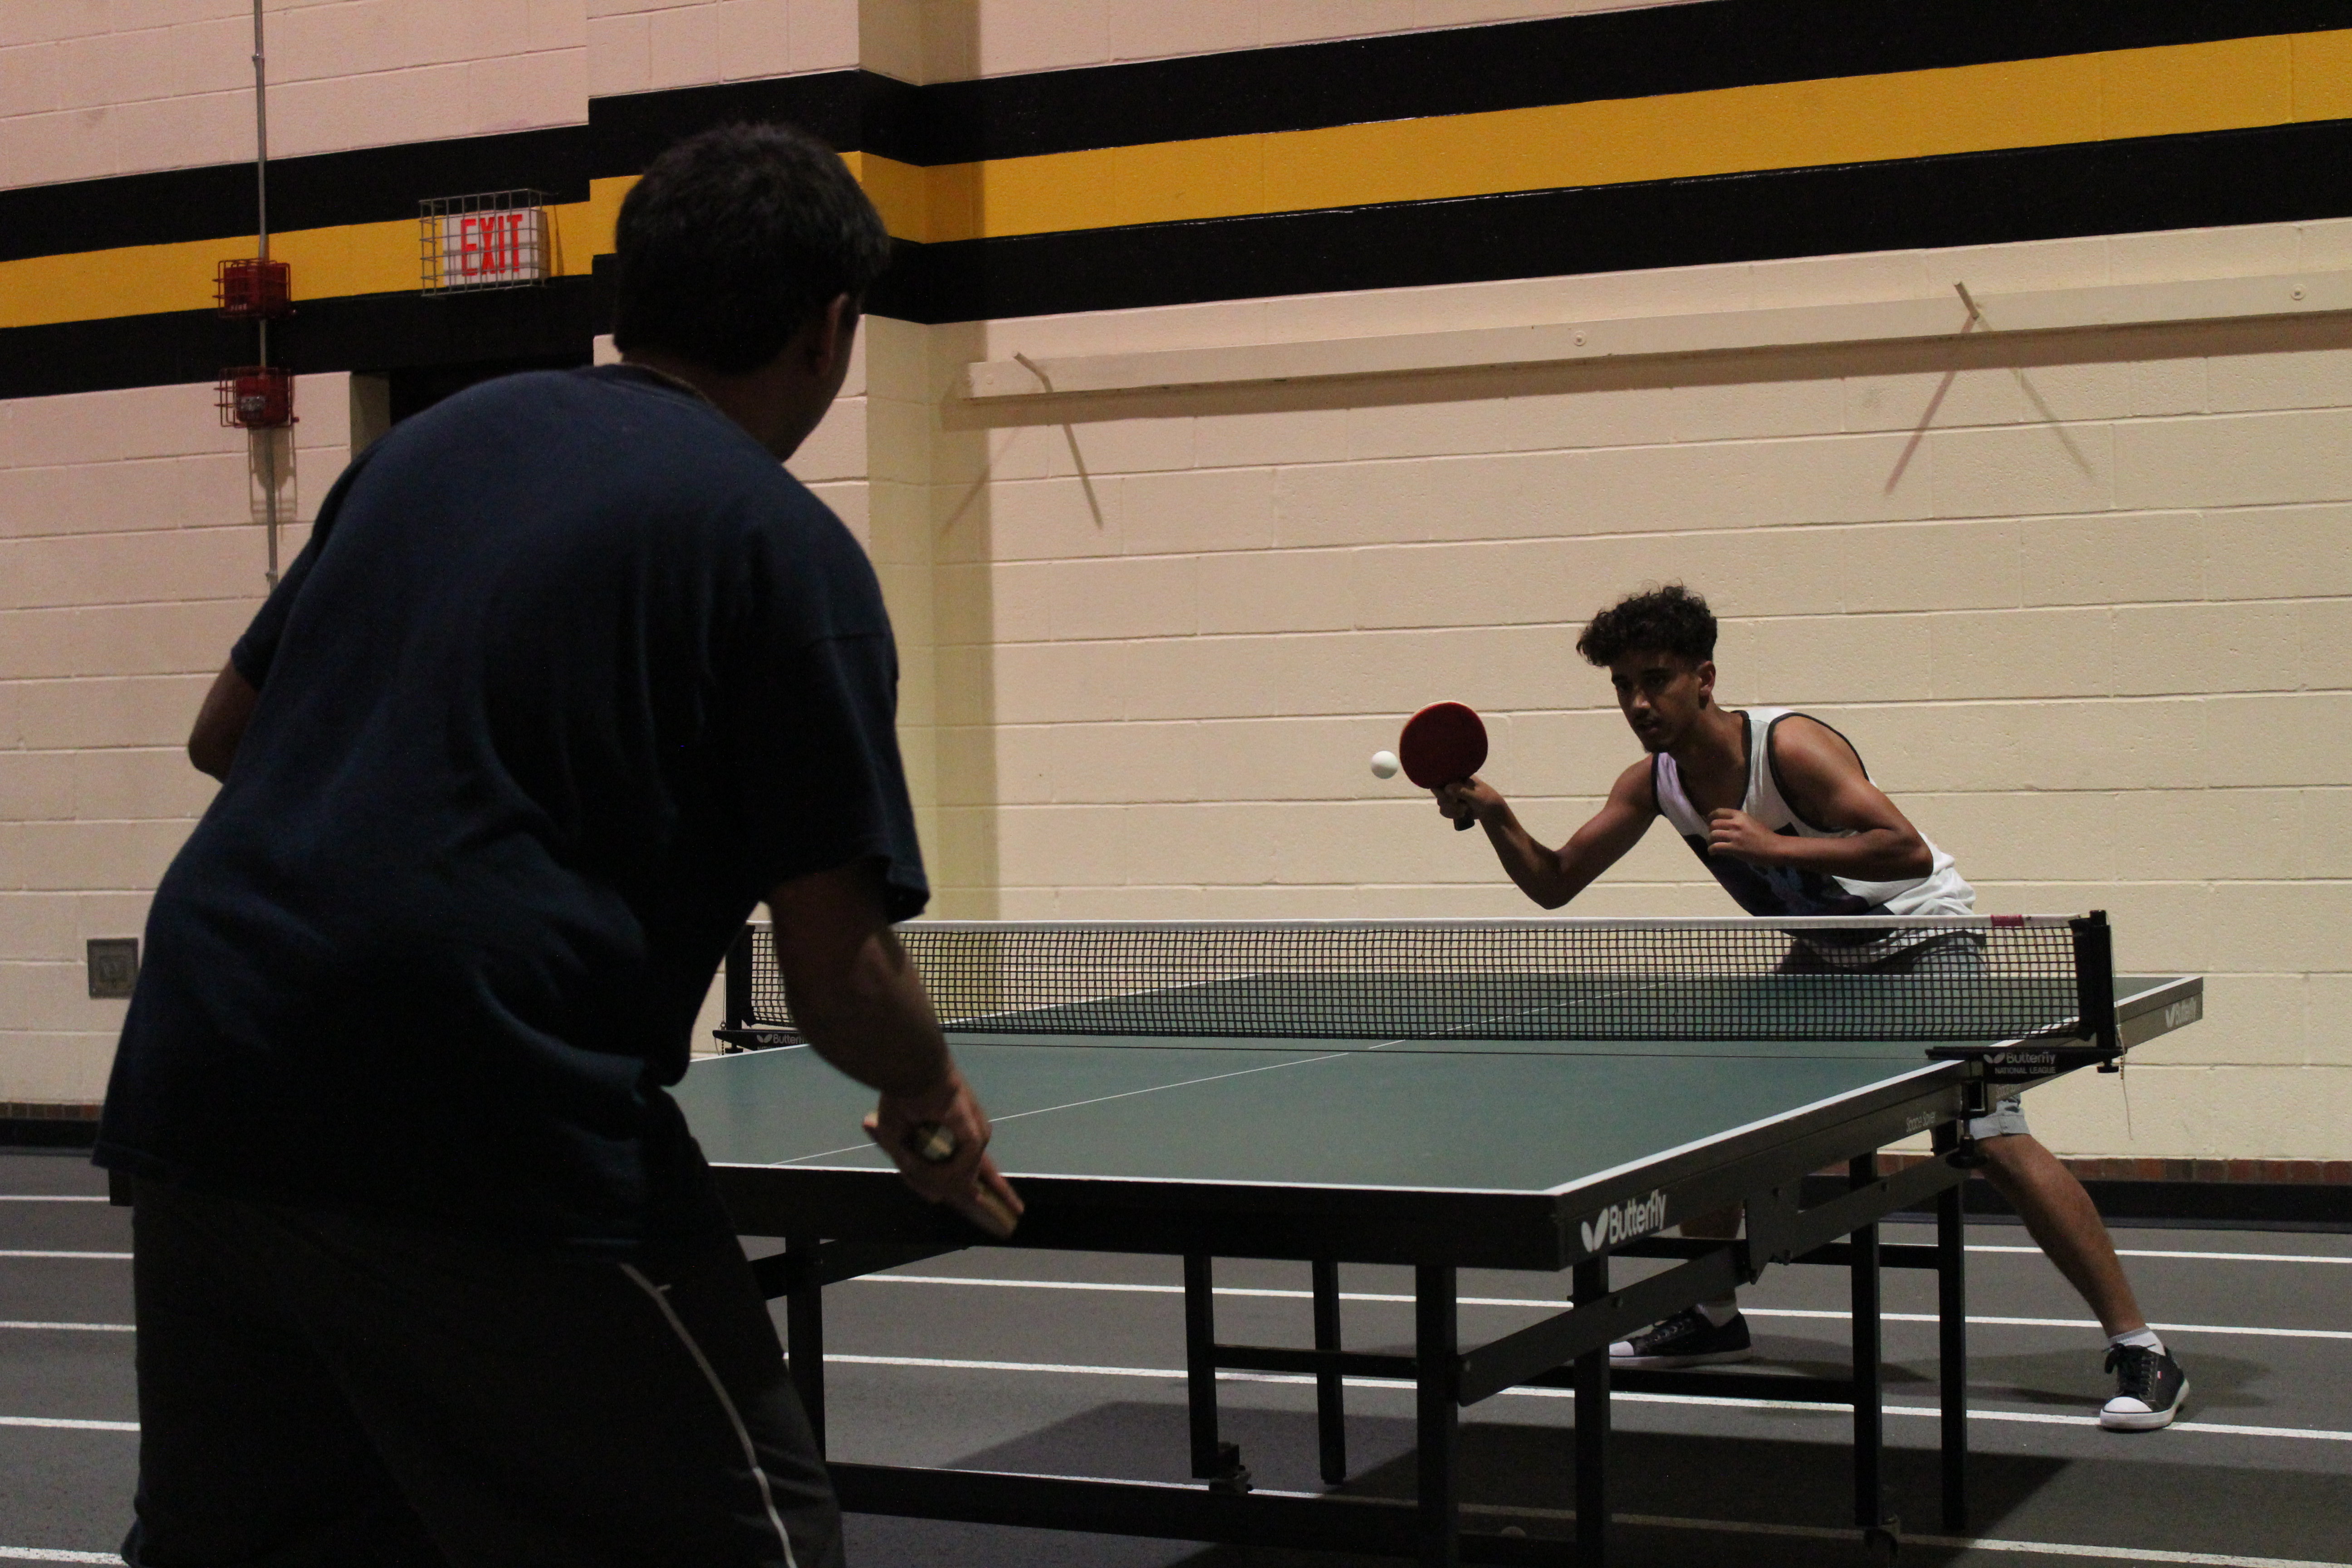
point(1442, 744)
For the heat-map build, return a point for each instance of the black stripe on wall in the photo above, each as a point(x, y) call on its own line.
point(1569, 60)
point(851, 110)
point(1632, 53)
point(377, 185)
point(2279, 175)
point(365, 331)
point(370, 185)
point(2283, 174)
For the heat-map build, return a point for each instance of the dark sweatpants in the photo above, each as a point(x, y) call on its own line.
point(319, 1390)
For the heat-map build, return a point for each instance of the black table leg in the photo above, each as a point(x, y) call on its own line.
point(1437, 1381)
point(1330, 1392)
point(1878, 1531)
point(805, 1336)
point(1952, 1339)
point(1217, 1462)
point(1591, 1283)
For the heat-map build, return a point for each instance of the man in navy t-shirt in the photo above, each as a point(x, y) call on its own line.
point(571, 676)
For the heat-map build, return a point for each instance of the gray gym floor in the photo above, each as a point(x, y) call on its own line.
point(1071, 1365)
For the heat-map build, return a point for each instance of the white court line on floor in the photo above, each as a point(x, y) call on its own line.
point(73, 1328)
point(1245, 1290)
point(112, 1257)
point(2207, 1256)
point(2063, 1324)
point(54, 1555)
point(68, 1424)
point(54, 1198)
point(2026, 1417)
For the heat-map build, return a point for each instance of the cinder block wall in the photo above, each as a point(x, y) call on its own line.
point(961, 40)
point(89, 89)
point(2080, 601)
point(638, 46)
point(130, 558)
point(2076, 605)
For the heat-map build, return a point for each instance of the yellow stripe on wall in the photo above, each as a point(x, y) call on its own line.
point(899, 192)
point(2323, 76)
point(583, 230)
point(2234, 85)
point(327, 263)
point(2238, 84)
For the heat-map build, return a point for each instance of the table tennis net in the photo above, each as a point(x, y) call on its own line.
point(1982, 979)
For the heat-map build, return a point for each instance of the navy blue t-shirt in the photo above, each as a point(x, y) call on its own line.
point(570, 675)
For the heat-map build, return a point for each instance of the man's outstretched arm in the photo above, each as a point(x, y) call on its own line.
point(1825, 785)
point(864, 1009)
point(1552, 877)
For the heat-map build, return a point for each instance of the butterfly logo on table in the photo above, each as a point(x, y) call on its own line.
point(1623, 1221)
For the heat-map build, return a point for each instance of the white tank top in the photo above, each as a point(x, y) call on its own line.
point(1797, 890)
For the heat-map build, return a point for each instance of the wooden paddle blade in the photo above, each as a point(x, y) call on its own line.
point(1444, 743)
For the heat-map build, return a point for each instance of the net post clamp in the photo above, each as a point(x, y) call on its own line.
point(2095, 979)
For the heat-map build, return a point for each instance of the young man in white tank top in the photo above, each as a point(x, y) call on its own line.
point(1778, 807)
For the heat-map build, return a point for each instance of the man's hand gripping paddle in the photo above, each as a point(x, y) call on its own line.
point(1444, 743)
point(943, 1167)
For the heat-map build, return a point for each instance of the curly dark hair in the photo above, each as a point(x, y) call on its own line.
point(1670, 619)
point(734, 238)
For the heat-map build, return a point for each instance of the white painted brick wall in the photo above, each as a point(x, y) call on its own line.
point(2084, 613)
point(130, 561)
point(638, 46)
point(2078, 611)
point(94, 89)
point(961, 39)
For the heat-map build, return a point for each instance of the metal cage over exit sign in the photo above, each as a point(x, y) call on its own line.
point(497, 239)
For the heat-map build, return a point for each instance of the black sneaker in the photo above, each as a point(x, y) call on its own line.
point(1687, 1339)
point(2149, 1387)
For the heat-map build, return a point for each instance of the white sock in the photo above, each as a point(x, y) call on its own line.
point(2145, 1339)
point(1721, 1310)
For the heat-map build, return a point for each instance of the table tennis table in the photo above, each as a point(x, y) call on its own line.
point(1542, 1095)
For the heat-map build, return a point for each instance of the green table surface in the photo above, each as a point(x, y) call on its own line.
point(1510, 1119)
point(1520, 1116)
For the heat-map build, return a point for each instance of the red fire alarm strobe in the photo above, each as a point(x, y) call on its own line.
point(257, 396)
point(250, 290)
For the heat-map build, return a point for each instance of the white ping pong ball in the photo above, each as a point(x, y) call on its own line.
point(1385, 765)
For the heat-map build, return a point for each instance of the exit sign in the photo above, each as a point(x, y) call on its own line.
point(500, 240)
